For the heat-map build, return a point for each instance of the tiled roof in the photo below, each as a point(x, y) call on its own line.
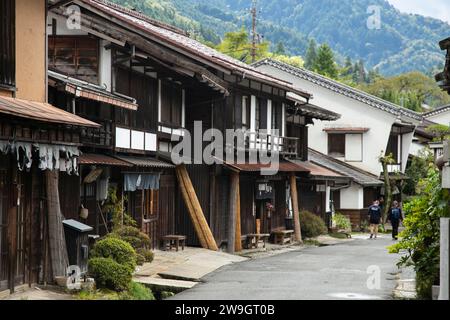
point(359, 176)
point(317, 171)
point(173, 38)
point(101, 159)
point(437, 111)
point(146, 162)
point(40, 111)
point(314, 111)
point(283, 166)
point(341, 89)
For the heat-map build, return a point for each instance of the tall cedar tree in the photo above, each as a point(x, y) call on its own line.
point(324, 63)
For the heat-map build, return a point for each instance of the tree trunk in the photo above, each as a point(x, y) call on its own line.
point(294, 198)
point(57, 240)
point(387, 190)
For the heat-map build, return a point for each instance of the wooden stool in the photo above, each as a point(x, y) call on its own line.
point(173, 241)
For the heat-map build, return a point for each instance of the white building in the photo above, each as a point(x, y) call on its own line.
point(368, 128)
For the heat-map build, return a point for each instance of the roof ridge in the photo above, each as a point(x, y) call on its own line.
point(436, 110)
point(141, 16)
point(363, 95)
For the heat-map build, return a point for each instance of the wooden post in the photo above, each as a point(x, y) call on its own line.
point(294, 198)
point(234, 185)
point(57, 241)
point(237, 240)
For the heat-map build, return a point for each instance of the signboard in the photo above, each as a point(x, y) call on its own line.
point(265, 190)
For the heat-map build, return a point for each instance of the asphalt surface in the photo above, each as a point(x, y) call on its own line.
point(346, 271)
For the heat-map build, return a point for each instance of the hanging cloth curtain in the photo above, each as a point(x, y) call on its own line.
point(141, 181)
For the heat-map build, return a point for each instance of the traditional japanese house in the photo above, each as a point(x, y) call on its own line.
point(159, 83)
point(39, 144)
point(369, 128)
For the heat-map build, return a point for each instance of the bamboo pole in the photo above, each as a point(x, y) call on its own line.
point(294, 198)
point(237, 240)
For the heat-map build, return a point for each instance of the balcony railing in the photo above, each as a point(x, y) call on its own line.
point(394, 168)
point(98, 137)
point(257, 141)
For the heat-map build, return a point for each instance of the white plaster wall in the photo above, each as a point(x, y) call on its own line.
point(354, 147)
point(442, 118)
point(105, 66)
point(352, 197)
point(407, 141)
point(353, 114)
point(61, 26)
point(416, 148)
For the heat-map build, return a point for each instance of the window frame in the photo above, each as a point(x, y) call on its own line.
point(7, 44)
point(332, 144)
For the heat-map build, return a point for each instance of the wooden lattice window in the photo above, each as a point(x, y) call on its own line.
point(7, 44)
point(171, 103)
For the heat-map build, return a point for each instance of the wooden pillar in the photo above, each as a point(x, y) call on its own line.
point(232, 217)
point(237, 240)
point(294, 198)
point(57, 241)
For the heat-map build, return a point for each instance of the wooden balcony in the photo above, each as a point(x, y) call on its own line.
point(99, 137)
point(257, 141)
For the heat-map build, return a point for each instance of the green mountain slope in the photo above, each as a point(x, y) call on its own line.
point(403, 43)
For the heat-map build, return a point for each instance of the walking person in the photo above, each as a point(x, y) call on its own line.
point(374, 218)
point(395, 216)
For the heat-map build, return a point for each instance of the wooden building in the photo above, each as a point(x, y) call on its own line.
point(147, 83)
point(38, 145)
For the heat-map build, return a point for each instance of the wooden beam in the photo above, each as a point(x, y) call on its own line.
point(195, 210)
point(57, 240)
point(232, 217)
point(294, 199)
point(237, 240)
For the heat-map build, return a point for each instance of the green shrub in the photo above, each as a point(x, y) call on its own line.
point(312, 225)
point(342, 222)
point(147, 254)
point(137, 291)
point(116, 249)
point(140, 259)
point(133, 236)
point(420, 240)
point(110, 274)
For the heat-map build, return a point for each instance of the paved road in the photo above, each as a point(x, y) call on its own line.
point(331, 272)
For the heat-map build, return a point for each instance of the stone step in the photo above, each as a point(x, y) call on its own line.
point(160, 284)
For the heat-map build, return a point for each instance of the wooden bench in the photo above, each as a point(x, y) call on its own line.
point(173, 241)
point(282, 236)
point(252, 240)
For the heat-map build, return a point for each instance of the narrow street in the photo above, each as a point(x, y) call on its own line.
point(330, 272)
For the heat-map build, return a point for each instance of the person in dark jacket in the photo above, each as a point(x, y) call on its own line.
point(395, 216)
point(374, 218)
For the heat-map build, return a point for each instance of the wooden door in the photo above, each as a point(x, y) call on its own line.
point(13, 248)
